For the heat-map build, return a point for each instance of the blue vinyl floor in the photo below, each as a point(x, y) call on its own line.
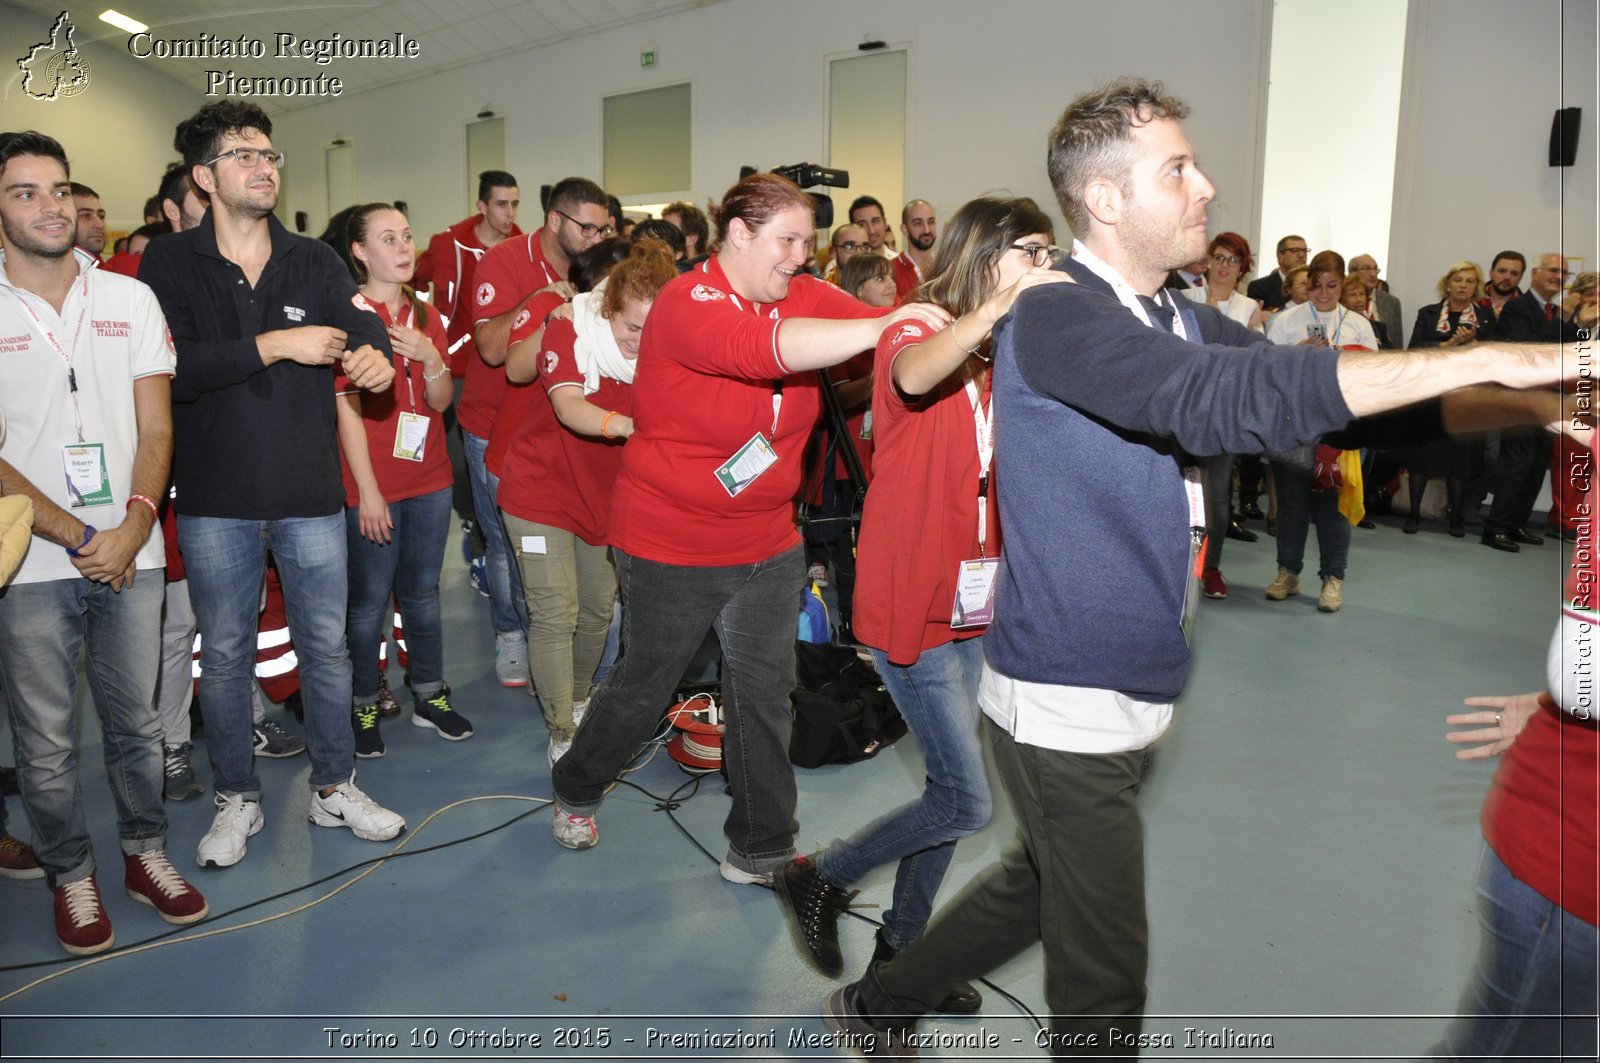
point(1312, 847)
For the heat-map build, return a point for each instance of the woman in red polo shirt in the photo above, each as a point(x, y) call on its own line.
point(702, 515)
point(556, 478)
point(397, 485)
point(928, 554)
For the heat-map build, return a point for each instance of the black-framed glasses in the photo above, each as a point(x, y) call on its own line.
point(1296, 250)
point(1225, 260)
point(588, 231)
point(850, 246)
point(250, 158)
point(1038, 254)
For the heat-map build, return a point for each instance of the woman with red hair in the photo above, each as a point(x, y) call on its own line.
point(702, 515)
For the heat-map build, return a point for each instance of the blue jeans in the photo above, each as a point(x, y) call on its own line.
point(666, 610)
point(1298, 507)
point(227, 559)
point(43, 626)
point(1536, 962)
point(504, 593)
point(938, 696)
point(408, 569)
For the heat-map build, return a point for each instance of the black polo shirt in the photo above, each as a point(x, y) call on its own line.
point(253, 442)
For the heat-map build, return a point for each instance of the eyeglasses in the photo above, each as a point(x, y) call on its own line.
point(250, 158)
point(604, 231)
point(849, 245)
point(1225, 260)
point(1035, 252)
point(1295, 250)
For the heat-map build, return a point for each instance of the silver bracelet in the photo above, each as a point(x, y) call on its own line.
point(444, 371)
point(969, 351)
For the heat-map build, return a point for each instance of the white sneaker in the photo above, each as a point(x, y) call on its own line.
point(579, 711)
point(511, 659)
point(558, 749)
point(574, 832)
point(236, 820)
point(347, 806)
point(740, 877)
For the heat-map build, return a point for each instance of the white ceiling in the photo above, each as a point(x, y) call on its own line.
point(451, 33)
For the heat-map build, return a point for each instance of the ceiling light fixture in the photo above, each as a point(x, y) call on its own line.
point(122, 22)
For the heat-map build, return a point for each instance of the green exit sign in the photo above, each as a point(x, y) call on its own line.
point(647, 57)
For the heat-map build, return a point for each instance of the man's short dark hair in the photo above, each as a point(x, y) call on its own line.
point(1515, 255)
point(863, 201)
point(84, 190)
point(570, 193)
point(693, 221)
point(1283, 244)
point(663, 230)
point(32, 142)
point(199, 137)
point(152, 230)
point(174, 185)
point(1091, 140)
point(489, 180)
point(614, 209)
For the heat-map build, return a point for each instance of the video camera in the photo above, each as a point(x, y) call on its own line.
point(810, 175)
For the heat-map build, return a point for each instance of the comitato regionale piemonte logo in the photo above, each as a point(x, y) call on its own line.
point(54, 69)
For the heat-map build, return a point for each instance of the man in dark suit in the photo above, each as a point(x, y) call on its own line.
point(1385, 307)
point(1191, 276)
point(1533, 317)
point(1268, 290)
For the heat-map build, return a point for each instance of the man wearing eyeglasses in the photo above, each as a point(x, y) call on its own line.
point(258, 316)
point(1268, 290)
point(509, 275)
point(848, 241)
point(1533, 317)
point(1381, 306)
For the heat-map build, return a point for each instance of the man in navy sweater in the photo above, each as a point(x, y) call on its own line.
point(1095, 596)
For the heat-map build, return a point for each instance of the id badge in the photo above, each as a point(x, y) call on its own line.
point(747, 463)
point(410, 436)
point(975, 583)
point(88, 479)
point(1191, 592)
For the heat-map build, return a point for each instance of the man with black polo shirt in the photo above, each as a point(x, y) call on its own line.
point(258, 315)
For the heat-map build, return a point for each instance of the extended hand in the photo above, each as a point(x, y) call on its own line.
point(1506, 718)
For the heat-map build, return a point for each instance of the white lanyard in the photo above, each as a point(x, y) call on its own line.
point(1123, 290)
point(777, 385)
point(61, 352)
point(983, 422)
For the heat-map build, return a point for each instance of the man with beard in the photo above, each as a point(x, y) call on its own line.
point(509, 274)
point(91, 224)
point(921, 229)
point(1504, 277)
point(258, 316)
point(1095, 598)
point(85, 382)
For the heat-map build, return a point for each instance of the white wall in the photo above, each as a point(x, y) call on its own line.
point(117, 132)
point(1328, 169)
point(1483, 79)
point(984, 90)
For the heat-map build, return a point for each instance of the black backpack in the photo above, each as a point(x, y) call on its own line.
point(842, 713)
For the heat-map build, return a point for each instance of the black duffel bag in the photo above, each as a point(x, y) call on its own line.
point(842, 713)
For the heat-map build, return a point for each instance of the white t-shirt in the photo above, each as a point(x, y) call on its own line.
point(112, 329)
point(1068, 718)
point(1344, 328)
point(1239, 306)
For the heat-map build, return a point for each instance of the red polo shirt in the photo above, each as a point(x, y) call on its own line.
point(708, 381)
point(506, 274)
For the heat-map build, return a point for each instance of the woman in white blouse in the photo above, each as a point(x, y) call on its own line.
point(1230, 259)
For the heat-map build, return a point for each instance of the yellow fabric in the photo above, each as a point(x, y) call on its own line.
point(16, 528)
point(1351, 494)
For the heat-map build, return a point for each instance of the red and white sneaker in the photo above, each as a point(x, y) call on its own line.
point(82, 926)
point(1213, 583)
point(151, 879)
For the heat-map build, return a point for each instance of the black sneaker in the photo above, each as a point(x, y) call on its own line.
point(271, 740)
point(178, 779)
point(434, 711)
point(815, 904)
point(369, 742)
point(841, 1010)
point(388, 704)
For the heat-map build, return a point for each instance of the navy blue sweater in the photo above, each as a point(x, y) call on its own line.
point(1093, 410)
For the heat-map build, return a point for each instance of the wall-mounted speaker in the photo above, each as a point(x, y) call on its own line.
point(1564, 136)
